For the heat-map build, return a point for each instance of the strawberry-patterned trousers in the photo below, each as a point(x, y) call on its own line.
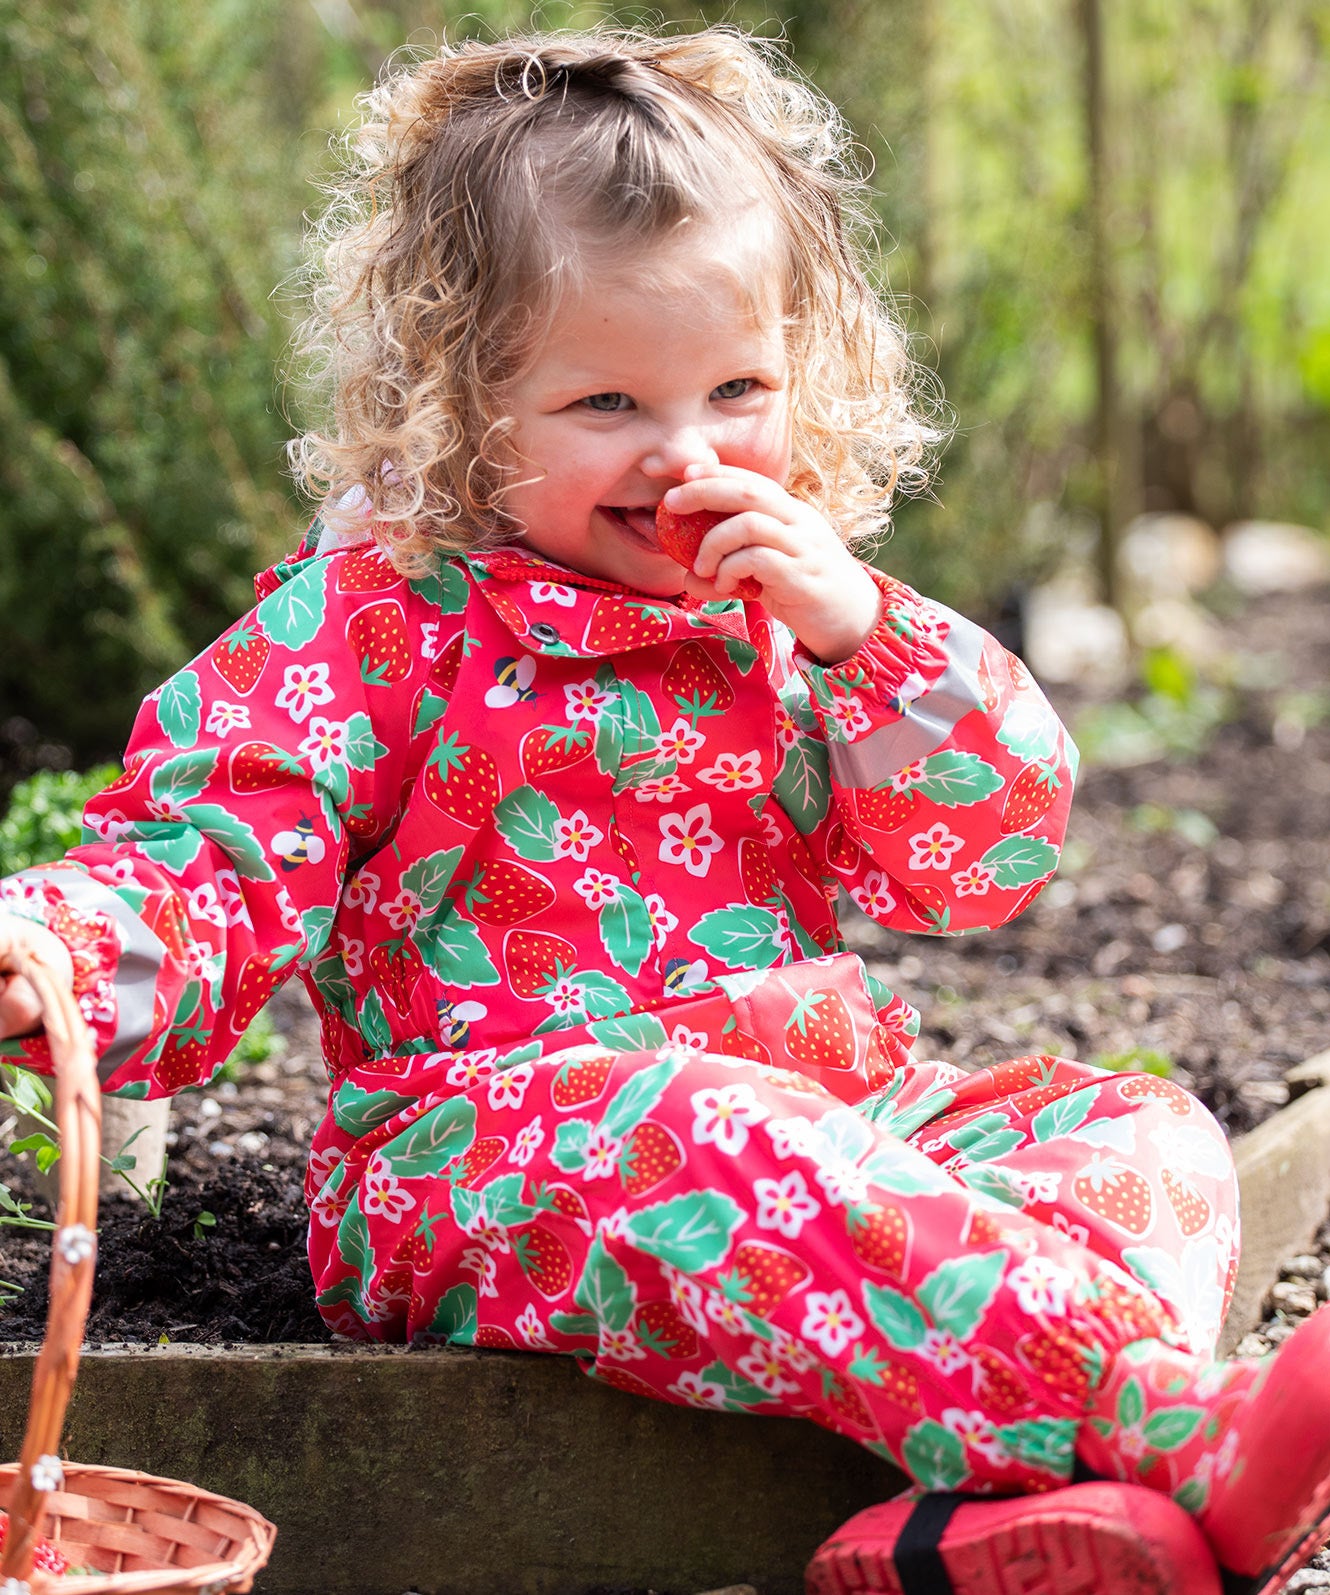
point(941, 1270)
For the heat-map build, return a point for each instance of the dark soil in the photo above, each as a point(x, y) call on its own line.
point(1191, 920)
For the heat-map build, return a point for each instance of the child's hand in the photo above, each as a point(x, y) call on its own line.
point(20, 1012)
point(810, 580)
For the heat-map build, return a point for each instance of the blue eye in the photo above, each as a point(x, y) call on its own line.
point(734, 389)
point(606, 403)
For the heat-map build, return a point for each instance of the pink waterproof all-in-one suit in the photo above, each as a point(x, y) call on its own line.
point(559, 865)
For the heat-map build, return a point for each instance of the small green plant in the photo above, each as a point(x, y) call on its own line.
point(125, 1163)
point(1136, 1060)
point(259, 1043)
point(44, 818)
point(203, 1223)
point(9, 1291)
point(1176, 716)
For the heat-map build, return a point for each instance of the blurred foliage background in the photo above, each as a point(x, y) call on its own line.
point(1108, 235)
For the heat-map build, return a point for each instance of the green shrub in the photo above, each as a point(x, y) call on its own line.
point(43, 818)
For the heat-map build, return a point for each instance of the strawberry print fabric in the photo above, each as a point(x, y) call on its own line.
point(523, 836)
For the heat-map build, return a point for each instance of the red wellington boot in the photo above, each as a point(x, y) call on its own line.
point(1085, 1539)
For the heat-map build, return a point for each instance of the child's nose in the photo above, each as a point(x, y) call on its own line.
point(672, 452)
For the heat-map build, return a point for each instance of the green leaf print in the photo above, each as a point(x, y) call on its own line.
point(335, 780)
point(1063, 1116)
point(570, 1141)
point(373, 1024)
point(432, 709)
point(609, 728)
point(742, 655)
point(641, 725)
point(526, 819)
point(293, 614)
point(934, 1456)
point(502, 1199)
point(363, 748)
point(430, 877)
point(175, 846)
point(1042, 1442)
point(604, 1289)
point(1131, 1403)
point(178, 709)
point(575, 1324)
point(467, 1206)
point(433, 1141)
point(603, 997)
point(234, 837)
point(956, 780)
point(358, 1112)
point(452, 949)
point(895, 1316)
point(636, 1032)
point(179, 780)
point(316, 926)
point(446, 587)
point(741, 936)
point(625, 930)
point(738, 1391)
point(631, 1103)
point(1193, 1495)
point(998, 1185)
point(353, 1242)
point(1171, 1430)
point(1020, 860)
point(803, 784)
point(986, 1137)
point(690, 1232)
point(1030, 731)
point(455, 1317)
point(957, 1294)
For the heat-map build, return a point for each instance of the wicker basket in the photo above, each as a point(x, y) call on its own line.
point(139, 1533)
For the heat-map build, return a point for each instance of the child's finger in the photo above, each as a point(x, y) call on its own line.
point(20, 1012)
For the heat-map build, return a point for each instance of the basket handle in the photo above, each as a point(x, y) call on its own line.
point(78, 1112)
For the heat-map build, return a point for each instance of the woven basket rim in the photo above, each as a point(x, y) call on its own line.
point(78, 1116)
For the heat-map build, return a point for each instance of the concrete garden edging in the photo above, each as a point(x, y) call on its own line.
point(453, 1472)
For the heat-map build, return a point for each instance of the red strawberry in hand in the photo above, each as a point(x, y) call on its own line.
point(680, 536)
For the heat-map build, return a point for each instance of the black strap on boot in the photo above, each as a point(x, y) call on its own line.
point(916, 1554)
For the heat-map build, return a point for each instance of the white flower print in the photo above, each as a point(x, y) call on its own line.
point(532, 1330)
point(944, 1351)
point(976, 1431)
point(762, 1367)
point(686, 1296)
point(848, 717)
point(1039, 1185)
point(785, 1205)
point(660, 789)
point(596, 888)
point(729, 1315)
point(770, 829)
point(689, 1041)
point(934, 848)
point(287, 910)
point(697, 1391)
point(787, 727)
point(620, 1345)
point(508, 1088)
point(429, 639)
point(481, 1227)
point(223, 718)
point(974, 880)
point(362, 890)
point(233, 901)
point(874, 896)
point(721, 1117)
point(321, 1165)
point(796, 1137)
point(688, 839)
point(404, 911)
point(1079, 1233)
point(329, 1206)
point(830, 1321)
point(602, 1152)
point(566, 996)
point(680, 742)
point(203, 904)
point(553, 593)
point(576, 836)
point(1041, 1286)
point(793, 1353)
point(382, 1193)
point(304, 687)
point(733, 772)
point(662, 921)
point(843, 1180)
point(353, 956)
point(584, 700)
point(326, 742)
point(478, 1260)
point(530, 1138)
point(471, 1068)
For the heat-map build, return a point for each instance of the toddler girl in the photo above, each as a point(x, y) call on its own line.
point(554, 831)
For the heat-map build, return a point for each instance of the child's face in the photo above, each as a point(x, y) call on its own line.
point(635, 383)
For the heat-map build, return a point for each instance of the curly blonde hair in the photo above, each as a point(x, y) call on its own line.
point(469, 192)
